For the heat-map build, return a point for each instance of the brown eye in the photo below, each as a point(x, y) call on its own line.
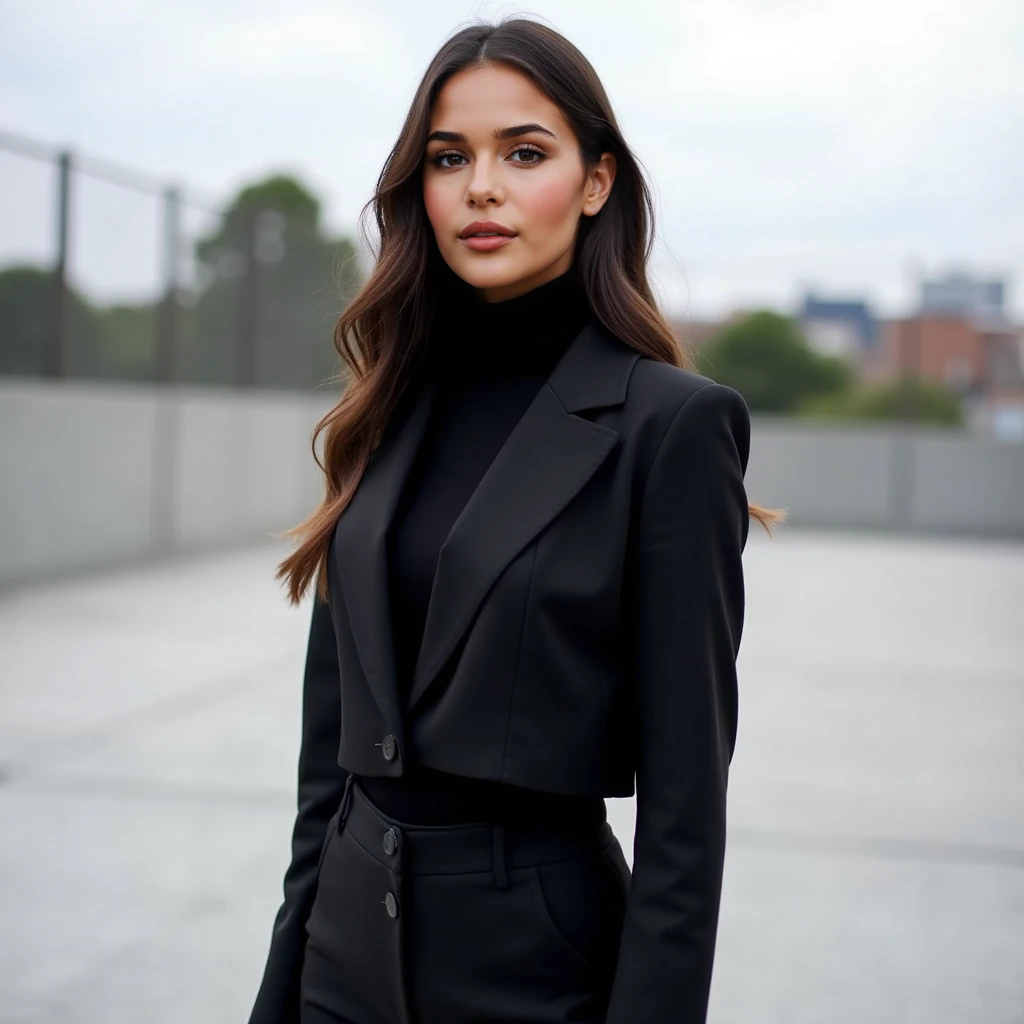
point(436, 161)
point(536, 155)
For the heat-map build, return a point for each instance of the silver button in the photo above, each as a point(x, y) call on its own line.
point(392, 904)
point(390, 748)
point(390, 842)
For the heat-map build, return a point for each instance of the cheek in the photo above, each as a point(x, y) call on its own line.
point(552, 203)
point(437, 205)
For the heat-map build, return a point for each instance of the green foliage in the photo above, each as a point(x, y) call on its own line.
point(128, 341)
point(268, 269)
point(282, 194)
point(27, 324)
point(766, 359)
point(303, 280)
point(928, 402)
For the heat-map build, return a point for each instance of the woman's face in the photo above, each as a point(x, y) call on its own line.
point(532, 183)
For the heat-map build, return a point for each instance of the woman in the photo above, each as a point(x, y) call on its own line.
point(528, 583)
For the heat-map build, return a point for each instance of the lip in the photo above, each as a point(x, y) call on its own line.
point(485, 225)
point(489, 243)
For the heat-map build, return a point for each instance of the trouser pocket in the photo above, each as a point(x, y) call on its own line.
point(481, 952)
point(583, 902)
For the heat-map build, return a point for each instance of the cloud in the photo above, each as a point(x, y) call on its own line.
point(786, 140)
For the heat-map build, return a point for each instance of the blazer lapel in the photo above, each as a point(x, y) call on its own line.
point(361, 557)
point(546, 459)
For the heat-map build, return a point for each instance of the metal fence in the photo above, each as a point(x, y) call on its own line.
point(109, 274)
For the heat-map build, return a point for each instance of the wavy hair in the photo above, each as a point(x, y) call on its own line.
point(383, 332)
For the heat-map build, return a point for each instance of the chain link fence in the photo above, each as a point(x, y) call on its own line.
point(108, 274)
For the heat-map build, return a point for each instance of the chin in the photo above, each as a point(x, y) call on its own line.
point(490, 277)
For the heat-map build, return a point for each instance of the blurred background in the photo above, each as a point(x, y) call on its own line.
point(841, 238)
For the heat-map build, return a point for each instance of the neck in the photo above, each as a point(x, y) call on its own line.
point(474, 337)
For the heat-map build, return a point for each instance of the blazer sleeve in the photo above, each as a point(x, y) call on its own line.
point(689, 604)
point(321, 783)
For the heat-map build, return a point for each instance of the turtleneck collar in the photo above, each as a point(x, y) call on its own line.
point(523, 334)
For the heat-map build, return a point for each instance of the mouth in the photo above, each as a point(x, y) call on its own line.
point(487, 242)
point(485, 229)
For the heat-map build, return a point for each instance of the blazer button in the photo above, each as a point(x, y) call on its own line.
point(390, 842)
point(392, 904)
point(390, 748)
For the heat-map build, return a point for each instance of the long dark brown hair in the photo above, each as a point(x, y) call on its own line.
point(383, 331)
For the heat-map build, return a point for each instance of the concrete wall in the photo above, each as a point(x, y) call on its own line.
point(879, 476)
point(92, 474)
point(95, 473)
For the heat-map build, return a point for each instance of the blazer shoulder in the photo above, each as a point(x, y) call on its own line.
point(658, 391)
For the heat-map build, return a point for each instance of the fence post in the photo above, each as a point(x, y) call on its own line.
point(59, 362)
point(168, 320)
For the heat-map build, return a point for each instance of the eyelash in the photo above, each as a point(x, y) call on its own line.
point(436, 159)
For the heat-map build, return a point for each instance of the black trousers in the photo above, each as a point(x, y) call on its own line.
point(462, 924)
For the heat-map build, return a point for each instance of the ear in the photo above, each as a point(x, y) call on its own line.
point(599, 184)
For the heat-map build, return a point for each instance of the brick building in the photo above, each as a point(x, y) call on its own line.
point(980, 358)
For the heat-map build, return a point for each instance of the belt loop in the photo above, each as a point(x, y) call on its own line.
point(500, 875)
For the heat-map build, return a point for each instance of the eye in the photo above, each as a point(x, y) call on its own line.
point(436, 160)
point(539, 156)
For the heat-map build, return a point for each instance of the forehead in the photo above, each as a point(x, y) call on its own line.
point(478, 100)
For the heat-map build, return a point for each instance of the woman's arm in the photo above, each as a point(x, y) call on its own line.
point(689, 616)
point(321, 783)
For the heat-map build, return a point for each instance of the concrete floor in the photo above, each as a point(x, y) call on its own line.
point(148, 735)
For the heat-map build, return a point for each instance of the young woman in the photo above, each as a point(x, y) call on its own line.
point(529, 590)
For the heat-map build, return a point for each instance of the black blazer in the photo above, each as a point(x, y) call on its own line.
point(582, 629)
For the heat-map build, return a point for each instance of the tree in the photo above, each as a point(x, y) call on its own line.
point(28, 323)
point(128, 335)
point(768, 361)
point(271, 287)
point(932, 403)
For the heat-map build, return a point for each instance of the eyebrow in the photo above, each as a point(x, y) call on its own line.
point(499, 134)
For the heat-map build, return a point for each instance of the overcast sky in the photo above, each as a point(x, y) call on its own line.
point(826, 143)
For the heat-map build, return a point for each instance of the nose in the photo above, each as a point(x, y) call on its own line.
point(484, 186)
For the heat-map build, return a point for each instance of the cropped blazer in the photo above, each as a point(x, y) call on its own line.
point(581, 637)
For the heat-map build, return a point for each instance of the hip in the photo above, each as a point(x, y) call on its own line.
point(470, 921)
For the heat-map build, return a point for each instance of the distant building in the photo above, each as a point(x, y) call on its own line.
point(980, 358)
point(962, 294)
point(945, 349)
point(844, 327)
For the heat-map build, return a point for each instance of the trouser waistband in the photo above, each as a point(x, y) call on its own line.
point(463, 848)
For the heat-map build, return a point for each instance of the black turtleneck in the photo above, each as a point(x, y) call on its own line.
point(522, 337)
point(491, 358)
